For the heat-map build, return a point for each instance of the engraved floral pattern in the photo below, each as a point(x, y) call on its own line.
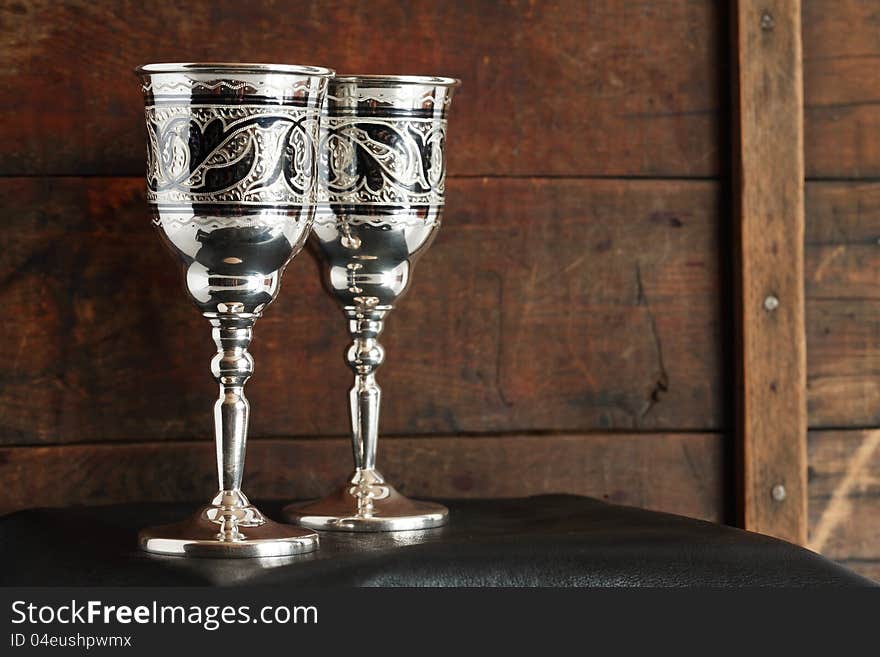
point(230, 154)
point(383, 161)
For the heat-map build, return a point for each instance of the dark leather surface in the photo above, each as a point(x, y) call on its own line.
point(556, 540)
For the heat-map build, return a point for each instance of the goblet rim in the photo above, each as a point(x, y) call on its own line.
point(424, 80)
point(234, 67)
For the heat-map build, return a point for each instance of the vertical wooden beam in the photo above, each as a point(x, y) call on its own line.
point(769, 190)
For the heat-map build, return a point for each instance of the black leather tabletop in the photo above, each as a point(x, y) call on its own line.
point(557, 540)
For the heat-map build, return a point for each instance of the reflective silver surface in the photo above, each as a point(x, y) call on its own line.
point(228, 527)
point(231, 170)
point(367, 504)
point(381, 199)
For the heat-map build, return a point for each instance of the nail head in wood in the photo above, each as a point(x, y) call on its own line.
point(767, 22)
point(771, 303)
point(778, 493)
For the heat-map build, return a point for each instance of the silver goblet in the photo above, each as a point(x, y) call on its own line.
point(231, 170)
point(382, 187)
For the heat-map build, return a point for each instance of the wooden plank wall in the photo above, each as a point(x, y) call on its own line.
point(842, 268)
point(578, 298)
point(563, 334)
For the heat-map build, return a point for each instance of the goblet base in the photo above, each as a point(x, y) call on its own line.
point(199, 536)
point(367, 504)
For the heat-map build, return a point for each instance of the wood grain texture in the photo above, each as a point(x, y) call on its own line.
point(561, 88)
point(680, 473)
point(772, 420)
point(842, 88)
point(844, 498)
point(635, 105)
point(543, 305)
point(842, 272)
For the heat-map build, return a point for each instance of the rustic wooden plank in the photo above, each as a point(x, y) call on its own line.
point(842, 88)
point(680, 473)
point(844, 355)
point(844, 477)
point(562, 88)
point(564, 305)
point(842, 270)
point(770, 206)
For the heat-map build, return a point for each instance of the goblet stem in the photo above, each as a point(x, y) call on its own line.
point(232, 366)
point(364, 357)
point(364, 398)
point(229, 526)
point(366, 502)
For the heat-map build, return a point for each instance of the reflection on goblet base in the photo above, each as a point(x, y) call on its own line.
point(367, 504)
point(202, 535)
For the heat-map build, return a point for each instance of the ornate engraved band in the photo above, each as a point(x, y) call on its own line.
point(236, 154)
point(351, 99)
point(270, 217)
point(187, 88)
point(257, 86)
point(379, 161)
point(385, 215)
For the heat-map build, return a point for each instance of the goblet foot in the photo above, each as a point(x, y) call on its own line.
point(216, 530)
point(367, 504)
